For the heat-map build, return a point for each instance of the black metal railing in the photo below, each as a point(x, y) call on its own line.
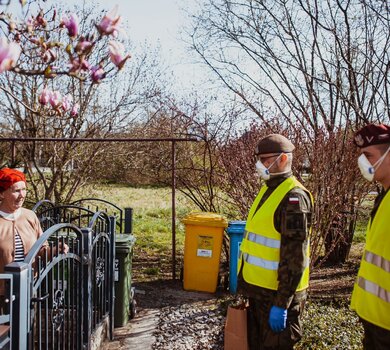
point(6, 301)
point(56, 299)
point(60, 298)
point(123, 216)
point(101, 243)
point(73, 214)
point(45, 209)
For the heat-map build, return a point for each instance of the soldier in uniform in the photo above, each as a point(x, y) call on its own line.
point(273, 269)
point(371, 292)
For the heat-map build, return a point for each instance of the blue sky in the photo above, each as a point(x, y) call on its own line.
point(152, 19)
point(157, 23)
point(160, 23)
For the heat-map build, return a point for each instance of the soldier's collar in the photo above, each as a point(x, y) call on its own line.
point(277, 180)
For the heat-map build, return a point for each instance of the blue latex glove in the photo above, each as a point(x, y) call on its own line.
point(277, 319)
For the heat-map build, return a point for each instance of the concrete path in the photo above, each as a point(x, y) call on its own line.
point(137, 334)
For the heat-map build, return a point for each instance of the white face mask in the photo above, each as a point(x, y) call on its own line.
point(263, 171)
point(367, 169)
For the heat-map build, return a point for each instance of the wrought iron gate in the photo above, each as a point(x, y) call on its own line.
point(61, 298)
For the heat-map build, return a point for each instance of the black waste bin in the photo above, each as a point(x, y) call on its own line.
point(124, 307)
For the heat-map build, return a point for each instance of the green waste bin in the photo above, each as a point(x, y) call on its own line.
point(124, 296)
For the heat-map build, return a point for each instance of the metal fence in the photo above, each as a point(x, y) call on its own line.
point(49, 213)
point(60, 299)
point(6, 311)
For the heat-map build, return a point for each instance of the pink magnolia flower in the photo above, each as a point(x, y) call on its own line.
point(77, 65)
point(9, 54)
point(35, 40)
point(55, 99)
point(30, 24)
point(75, 110)
point(18, 37)
point(71, 23)
point(40, 20)
point(117, 53)
point(44, 97)
point(110, 23)
point(97, 74)
point(66, 102)
point(83, 46)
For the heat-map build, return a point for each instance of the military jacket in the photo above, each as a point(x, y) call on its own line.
point(292, 219)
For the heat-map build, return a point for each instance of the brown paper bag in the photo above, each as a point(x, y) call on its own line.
point(236, 329)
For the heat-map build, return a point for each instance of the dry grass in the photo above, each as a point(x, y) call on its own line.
point(136, 198)
point(152, 225)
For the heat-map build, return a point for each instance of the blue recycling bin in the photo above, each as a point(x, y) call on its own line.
point(235, 231)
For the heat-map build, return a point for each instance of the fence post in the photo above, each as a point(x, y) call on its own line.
point(21, 305)
point(128, 220)
point(111, 269)
point(87, 288)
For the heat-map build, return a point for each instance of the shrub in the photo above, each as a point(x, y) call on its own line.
point(330, 325)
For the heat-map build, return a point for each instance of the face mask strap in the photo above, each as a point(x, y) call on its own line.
point(272, 164)
point(280, 172)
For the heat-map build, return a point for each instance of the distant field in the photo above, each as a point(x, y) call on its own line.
point(152, 224)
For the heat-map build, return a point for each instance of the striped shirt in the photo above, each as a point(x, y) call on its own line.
point(19, 248)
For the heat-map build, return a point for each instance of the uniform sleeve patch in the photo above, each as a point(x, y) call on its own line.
point(293, 200)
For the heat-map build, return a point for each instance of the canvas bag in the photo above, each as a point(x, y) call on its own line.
point(236, 328)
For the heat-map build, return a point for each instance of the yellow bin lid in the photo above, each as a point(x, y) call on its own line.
point(205, 219)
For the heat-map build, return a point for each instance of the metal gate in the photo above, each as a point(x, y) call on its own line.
point(61, 298)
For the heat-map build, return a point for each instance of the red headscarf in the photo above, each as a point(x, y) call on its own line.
point(10, 176)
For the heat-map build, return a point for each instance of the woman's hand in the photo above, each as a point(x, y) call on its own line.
point(63, 248)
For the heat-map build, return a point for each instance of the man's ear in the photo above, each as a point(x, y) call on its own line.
point(283, 159)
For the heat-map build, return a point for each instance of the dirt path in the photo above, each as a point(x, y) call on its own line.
point(190, 315)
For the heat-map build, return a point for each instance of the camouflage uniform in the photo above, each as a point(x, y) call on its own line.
point(375, 337)
point(292, 219)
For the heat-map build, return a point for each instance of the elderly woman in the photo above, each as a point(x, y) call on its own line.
point(19, 227)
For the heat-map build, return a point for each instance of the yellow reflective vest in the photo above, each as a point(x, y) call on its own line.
point(371, 292)
point(260, 247)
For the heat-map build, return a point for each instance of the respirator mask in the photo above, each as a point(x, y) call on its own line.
point(264, 172)
point(367, 169)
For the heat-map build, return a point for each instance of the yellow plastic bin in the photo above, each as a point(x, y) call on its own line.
point(202, 250)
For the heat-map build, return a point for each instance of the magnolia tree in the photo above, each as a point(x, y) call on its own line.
point(54, 64)
point(37, 46)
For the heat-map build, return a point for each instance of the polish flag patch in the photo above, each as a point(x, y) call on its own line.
point(293, 200)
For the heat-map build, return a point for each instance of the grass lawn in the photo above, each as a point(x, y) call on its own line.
point(152, 225)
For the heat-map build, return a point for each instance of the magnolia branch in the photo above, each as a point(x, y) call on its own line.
point(18, 100)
